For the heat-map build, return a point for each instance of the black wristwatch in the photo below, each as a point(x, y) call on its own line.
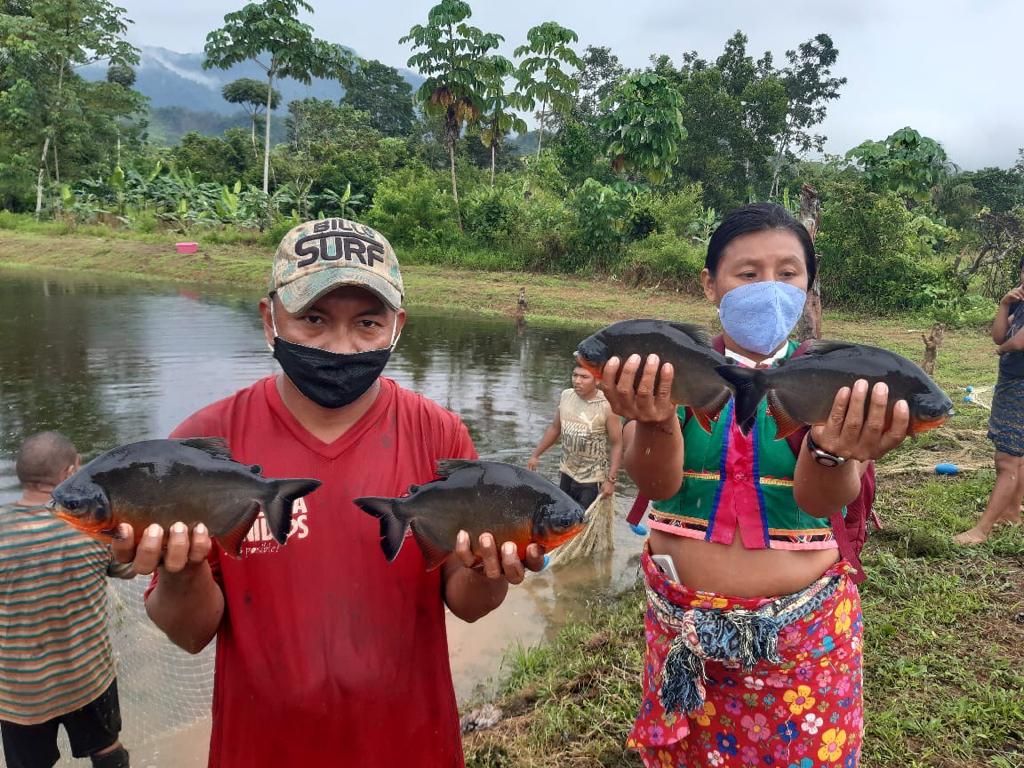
point(824, 458)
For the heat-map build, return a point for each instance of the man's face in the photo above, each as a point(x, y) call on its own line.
point(346, 320)
point(583, 382)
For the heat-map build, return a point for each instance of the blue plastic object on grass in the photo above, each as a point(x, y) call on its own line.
point(639, 530)
point(947, 469)
point(547, 559)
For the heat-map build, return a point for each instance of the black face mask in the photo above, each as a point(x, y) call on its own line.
point(330, 379)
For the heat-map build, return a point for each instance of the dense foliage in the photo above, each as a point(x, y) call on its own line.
point(626, 174)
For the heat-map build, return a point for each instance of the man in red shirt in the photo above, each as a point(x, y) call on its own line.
point(328, 655)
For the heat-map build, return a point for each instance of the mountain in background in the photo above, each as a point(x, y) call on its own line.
point(171, 79)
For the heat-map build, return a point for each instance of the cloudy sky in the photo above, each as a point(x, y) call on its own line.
point(952, 69)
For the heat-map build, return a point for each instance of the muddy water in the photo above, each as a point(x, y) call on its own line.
point(108, 363)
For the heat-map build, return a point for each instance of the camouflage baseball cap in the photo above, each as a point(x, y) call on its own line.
point(316, 257)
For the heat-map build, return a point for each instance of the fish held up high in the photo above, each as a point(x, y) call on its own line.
point(686, 346)
point(802, 389)
point(509, 502)
point(167, 481)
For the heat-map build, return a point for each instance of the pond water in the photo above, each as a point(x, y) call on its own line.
point(109, 363)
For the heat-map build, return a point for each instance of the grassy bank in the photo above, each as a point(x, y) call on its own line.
point(944, 645)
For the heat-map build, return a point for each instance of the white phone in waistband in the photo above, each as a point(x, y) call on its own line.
point(666, 566)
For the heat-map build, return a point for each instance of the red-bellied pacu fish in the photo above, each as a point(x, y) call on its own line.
point(168, 481)
point(509, 502)
point(801, 390)
point(687, 347)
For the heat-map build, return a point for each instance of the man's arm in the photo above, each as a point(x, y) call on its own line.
point(614, 428)
point(549, 438)
point(185, 601)
point(473, 592)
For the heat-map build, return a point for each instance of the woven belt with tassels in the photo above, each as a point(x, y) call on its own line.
point(738, 636)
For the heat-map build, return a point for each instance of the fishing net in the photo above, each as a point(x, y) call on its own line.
point(165, 693)
point(596, 538)
point(967, 449)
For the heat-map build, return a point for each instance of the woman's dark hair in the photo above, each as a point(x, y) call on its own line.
point(759, 217)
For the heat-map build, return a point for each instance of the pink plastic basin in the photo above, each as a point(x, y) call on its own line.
point(186, 247)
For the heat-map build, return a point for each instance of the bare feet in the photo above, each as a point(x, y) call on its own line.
point(975, 535)
point(979, 534)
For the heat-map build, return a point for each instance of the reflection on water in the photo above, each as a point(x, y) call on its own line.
point(108, 364)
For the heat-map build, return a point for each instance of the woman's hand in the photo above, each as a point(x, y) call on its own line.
point(1012, 296)
point(847, 433)
point(642, 402)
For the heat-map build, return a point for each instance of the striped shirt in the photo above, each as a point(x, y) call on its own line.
point(55, 655)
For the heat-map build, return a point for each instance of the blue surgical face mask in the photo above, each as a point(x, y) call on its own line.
point(760, 316)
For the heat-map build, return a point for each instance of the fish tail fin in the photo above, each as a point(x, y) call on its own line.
point(278, 510)
point(750, 386)
point(392, 525)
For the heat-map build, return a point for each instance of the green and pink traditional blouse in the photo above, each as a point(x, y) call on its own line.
point(735, 482)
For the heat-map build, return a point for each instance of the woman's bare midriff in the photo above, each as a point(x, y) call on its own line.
point(734, 570)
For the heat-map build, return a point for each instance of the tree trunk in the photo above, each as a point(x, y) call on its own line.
point(39, 179)
point(932, 342)
point(492, 165)
point(809, 326)
point(56, 162)
point(455, 186)
point(540, 128)
point(266, 135)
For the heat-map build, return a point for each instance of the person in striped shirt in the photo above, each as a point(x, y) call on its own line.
point(56, 665)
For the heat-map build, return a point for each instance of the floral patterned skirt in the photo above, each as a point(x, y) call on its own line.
point(805, 712)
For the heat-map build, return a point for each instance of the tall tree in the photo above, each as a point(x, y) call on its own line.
point(541, 75)
point(453, 60)
point(382, 92)
point(809, 87)
point(907, 163)
point(250, 95)
point(732, 109)
point(644, 125)
point(600, 72)
point(44, 42)
point(270, 34)
point(498, 119)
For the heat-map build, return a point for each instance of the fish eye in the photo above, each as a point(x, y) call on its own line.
point(71, 504)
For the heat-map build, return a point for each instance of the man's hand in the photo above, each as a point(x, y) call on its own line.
point(607, 488)
point(180, 556)
point(504, 565)
point(848, 434)
point(532, 462)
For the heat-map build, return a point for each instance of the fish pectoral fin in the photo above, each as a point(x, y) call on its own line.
point(231, 541)
point(217, 447)
point(446, 467)
point(785, 425)
point(115, 533)
point(433, 553)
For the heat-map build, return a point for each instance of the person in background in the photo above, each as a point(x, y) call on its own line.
point(591, 438)
point(328, 654)
point(56, 664)
point(1006, 422)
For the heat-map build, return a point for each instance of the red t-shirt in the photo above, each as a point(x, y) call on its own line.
point(328, 654)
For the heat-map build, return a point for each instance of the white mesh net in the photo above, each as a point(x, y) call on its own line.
point(165, 692)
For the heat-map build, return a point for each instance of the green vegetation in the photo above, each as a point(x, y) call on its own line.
point(625, 177)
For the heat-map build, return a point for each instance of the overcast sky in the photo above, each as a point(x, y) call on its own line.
point(952, 69)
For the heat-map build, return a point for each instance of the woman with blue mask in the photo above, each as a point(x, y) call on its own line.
point(753, 625)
